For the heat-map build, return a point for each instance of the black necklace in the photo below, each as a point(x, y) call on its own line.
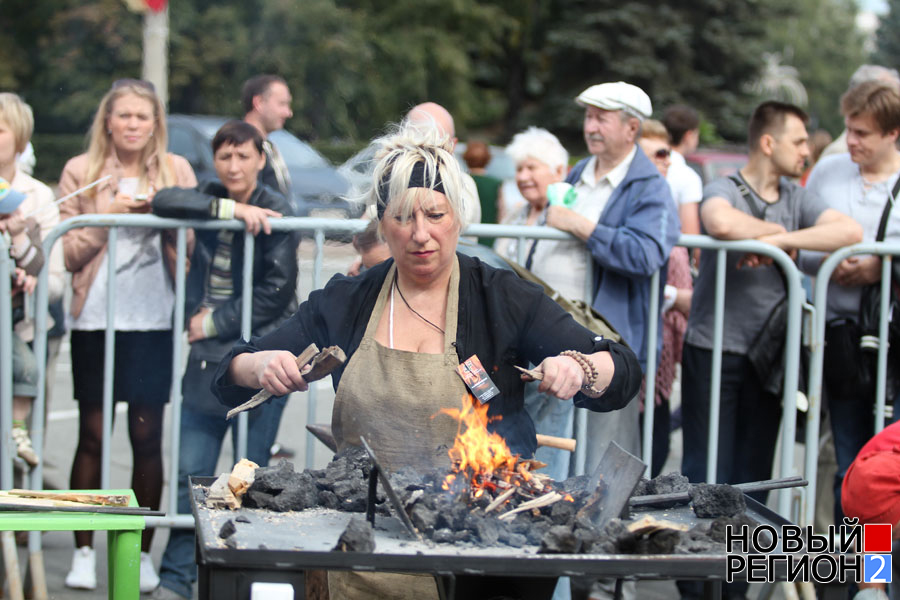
point(415, 312)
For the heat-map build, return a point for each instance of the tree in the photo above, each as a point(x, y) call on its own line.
point(887, 51)
point(702, 53)
point(822, 43)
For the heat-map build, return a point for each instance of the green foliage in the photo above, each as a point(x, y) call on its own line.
point(888, 50)
point(53, 150)
point(821, 41)
point(498, 65)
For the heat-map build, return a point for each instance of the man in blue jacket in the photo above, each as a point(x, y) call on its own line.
point(625, 214)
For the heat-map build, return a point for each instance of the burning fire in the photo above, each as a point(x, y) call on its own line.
point(480, 456)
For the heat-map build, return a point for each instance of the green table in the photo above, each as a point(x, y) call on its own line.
point(123, 538)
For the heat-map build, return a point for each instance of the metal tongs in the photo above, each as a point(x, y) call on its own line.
point(322, 363)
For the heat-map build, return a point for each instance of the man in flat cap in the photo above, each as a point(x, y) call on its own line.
point(625, 214)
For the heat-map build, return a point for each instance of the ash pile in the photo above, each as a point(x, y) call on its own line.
point(518, 507)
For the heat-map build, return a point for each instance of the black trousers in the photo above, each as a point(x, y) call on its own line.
point(748, 419)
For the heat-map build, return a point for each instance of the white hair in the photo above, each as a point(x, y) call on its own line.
point(539, 144)
point(398, 152)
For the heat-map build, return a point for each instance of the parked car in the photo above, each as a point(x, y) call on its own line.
point(318, 188)
point(712, 164)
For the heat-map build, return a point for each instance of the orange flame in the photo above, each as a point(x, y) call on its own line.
point(482, 457)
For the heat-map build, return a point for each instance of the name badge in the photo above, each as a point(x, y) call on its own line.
point(477, 380)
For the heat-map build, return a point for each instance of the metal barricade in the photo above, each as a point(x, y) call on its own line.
point(7, 267)
point(319, 228)
point(817, 356)
point(795, 296)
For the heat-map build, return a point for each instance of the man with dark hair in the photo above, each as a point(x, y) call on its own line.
point(266, 100)
point(759, 202)
point(213, 311)
point(683, 124)
point(859, 183)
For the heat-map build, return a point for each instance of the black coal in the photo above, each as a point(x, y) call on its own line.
point(452, 516)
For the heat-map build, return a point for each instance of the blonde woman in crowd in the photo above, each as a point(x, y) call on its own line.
point(128, 143)
point(38, 213)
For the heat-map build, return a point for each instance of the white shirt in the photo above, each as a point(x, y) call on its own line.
point(144, 294)
point(686, 185)
point(837, 181)
point(592, 194)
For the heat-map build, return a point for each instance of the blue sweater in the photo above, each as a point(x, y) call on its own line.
point(633, 239)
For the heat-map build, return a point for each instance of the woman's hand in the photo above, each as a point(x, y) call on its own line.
point(195, 326)
point(256, 218)
point(563, 376)
point(13, 224)
point(277, 372)
point(125, 204)
point(22, 282)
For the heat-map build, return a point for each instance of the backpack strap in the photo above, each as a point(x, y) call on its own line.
point(744, 189)
point(882, 225)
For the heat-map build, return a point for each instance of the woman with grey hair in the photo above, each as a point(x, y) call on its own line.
point(541, 163)
point(409, 322)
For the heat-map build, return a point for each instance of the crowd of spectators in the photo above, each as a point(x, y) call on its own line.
point(625, 206)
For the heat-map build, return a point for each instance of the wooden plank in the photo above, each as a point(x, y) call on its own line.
point(102, 499)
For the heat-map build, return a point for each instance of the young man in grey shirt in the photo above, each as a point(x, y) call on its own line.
point(859, 184)
point(789, 218)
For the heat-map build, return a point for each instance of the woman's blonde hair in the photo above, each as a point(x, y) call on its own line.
point(17, 114)
point(99, 146)
point(398, 154)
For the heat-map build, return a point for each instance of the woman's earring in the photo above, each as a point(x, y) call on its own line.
point(151, 134)
point(109, 132)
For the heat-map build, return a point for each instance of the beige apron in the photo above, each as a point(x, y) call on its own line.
point(389, 397)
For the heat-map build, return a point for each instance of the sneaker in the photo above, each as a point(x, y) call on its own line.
point(149, 578)
point(83, 575)
point(23, 446)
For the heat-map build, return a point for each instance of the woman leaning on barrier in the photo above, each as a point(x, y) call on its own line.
point(128, 144)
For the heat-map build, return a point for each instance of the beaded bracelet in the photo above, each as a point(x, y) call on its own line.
point(590, 372)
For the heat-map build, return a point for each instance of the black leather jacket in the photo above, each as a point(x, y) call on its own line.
point(274, 266)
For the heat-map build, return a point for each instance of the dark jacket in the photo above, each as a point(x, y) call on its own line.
point(503, 319)
point(274, 266)
point(633, 239)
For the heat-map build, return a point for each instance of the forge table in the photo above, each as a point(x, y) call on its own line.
point(278, 548)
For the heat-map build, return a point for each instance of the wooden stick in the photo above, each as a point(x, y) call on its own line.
point(102, 499)
point(262, 395)
point(11, 565)
point(531, 373)
point(545, 500)
point(551, 441)
point(500, 499)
